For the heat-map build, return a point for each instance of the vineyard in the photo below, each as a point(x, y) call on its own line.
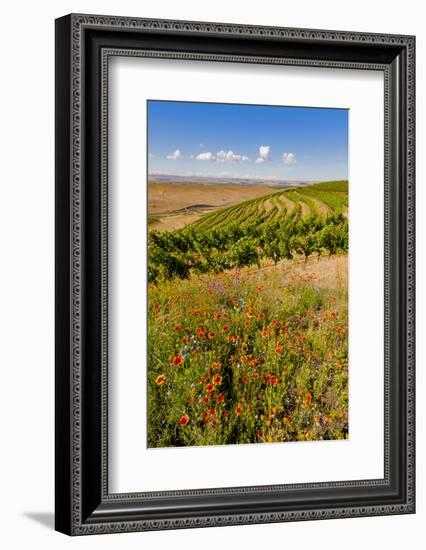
point(280, 225)
point(248, 322)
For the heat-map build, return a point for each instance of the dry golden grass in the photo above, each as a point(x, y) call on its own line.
point(177, 204)
point(169, 197)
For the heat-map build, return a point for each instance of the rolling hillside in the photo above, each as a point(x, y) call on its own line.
point(319, 199)
point(298, 221)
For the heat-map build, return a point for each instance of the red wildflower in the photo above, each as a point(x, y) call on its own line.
point(244, 379)
point(177, 328)
point(178, 360)
point(273, 380)
point(238, 410)
point(212, 334)
point(220, 398)
point(209, 388)
point(225, 328)
point(308, 398)
point(184, 420)
point(217, 379)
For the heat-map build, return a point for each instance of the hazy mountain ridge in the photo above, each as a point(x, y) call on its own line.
point(206, 180)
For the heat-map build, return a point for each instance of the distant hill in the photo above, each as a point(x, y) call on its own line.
point(162, 178)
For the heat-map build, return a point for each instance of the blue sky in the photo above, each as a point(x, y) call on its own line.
point(247, 141)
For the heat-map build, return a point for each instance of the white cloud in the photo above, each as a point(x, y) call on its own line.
point(229, 156)
point(289, 158)
point(205, 156)
point(151, 155)
point(175, 156)
point(263, 154)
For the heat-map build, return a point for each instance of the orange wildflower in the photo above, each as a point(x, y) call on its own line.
point(238, 410)
point(161, 378)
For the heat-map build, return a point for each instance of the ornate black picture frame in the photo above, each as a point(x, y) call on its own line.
point(84, 44)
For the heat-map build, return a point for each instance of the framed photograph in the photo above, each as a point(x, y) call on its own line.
point(234, 274)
